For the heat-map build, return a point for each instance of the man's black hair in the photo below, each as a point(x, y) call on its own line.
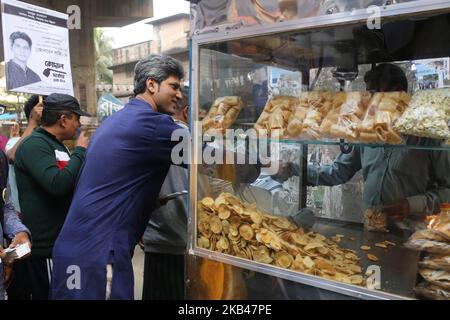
point(185, 100)
point(50, 117)
point(156, 67)
point(387, 77)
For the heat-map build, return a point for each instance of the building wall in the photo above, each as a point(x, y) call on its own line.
point(168, 38)
point(184, 58)
point(131, 53)
point(125, 74)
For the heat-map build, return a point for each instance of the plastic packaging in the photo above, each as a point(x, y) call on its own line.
point(429, 246)
point(429, 291)
point(375, 220)
point(436, 262)
point(345, 116)
point(441, 224)
point(427, 115)
point(274, 119)
point(440, 278)
point(320, 103)
point(385, 108)
point(429, 240)
point(222, 114)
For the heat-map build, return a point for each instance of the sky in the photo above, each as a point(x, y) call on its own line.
point(140, 32)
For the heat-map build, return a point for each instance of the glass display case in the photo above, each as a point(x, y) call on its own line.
point(218, 15)
point(321, 163)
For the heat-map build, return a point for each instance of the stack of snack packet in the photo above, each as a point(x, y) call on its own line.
point(434, 268)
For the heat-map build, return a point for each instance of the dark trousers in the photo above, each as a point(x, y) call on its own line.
point(31, 279)
point(163, 277)
point(18, 288)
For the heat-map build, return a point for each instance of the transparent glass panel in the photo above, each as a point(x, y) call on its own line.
point(347, 129)
point(211, 14)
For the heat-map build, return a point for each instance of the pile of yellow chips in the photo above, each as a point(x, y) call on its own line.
point(232, 227)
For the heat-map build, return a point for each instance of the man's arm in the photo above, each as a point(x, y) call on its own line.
point(170, 143)
point(343, 168)
point(431, 201)
point(15, 230)
point(13, 225)
point(33, 123)
point(38, 159)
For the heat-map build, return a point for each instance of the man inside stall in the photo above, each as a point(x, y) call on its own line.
point(401, 182)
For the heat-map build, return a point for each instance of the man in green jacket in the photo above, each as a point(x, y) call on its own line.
point(46, 173)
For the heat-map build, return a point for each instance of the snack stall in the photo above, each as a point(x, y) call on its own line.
point(344, 188)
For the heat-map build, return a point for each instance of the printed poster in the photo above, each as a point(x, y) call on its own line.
point(36, 45)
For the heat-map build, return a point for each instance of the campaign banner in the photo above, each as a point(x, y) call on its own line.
point(36, 48)
point(107, 105)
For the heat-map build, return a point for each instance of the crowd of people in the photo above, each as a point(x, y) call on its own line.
point(83, 211)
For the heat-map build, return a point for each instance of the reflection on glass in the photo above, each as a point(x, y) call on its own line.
point(361, 121)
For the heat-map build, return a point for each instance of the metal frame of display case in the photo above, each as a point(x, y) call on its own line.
point(227, 33)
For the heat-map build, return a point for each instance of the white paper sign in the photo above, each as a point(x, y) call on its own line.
point(36, 45)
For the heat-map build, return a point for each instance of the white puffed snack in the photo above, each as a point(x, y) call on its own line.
point(427, 115)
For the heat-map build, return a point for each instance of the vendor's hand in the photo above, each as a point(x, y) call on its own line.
point(83, 140)
point(398, 210)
